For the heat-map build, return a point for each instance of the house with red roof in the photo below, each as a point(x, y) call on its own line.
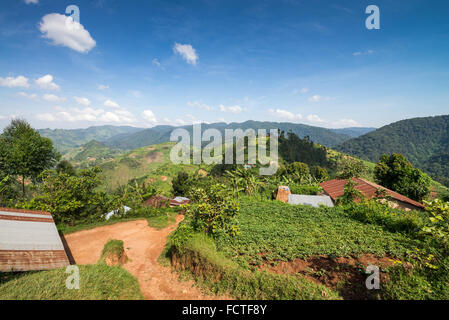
point(335, 189)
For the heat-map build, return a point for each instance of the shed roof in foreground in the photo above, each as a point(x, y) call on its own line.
point(314, 201)
point(29, 240)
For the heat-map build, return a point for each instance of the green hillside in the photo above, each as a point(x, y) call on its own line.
point(160, 134)
point(66, 139)
point(424, 141)
point(93, 151)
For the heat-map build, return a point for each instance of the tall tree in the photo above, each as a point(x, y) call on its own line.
point(25, 153)
point(397, 173)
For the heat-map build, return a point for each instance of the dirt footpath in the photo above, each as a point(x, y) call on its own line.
point(143, 246)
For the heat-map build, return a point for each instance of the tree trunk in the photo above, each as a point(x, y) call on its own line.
point(23, 187)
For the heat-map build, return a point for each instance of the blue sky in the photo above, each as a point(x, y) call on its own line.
point(144, 63)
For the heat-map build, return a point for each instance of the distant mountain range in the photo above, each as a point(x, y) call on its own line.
point(129, 138)
point(424, 141)
point(66, 139)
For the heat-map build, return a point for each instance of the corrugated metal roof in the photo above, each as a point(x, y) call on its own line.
point(29, 240)
point(335, 189)
point(314, 201)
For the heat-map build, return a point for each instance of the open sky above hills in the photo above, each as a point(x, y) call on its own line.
point(145, 63)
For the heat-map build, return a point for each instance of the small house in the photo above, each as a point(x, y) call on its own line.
point(335, 189)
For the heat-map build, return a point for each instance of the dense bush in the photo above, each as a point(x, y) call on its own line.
point(394, 220)
point(213, 211)
point(69, 198)
point(395, 172)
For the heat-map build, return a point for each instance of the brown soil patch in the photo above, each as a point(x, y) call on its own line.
point(133, 155)
point(143, 246)
point(164, 178)
point(202, 173)
point(343, 274)
point(154, 157)
point(115, 260)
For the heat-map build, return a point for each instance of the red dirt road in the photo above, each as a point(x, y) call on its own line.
point(143, 246)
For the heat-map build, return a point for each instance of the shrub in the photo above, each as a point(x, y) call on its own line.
point(394, 220)
point(438, 220)
point(214, 211)
point(181, 184)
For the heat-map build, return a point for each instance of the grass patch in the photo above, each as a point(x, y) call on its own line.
point(162, 221)
point(97, 282)
point(112, 248)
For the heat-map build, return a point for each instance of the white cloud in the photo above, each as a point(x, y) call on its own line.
point(11, 82)
point(318, 98)
point(46, 117)
point(53, 98)
point(32, 96)
point(46, 82)
point(359, 53)
point(88, 114)
point(232, 109)
point(284, 114)
point(314, 118)
point(102, 87)
point(111, 104)
point(345, 123)
point(64, 31)
point(198, 104)
point(148, 115)
point(187, 52)
point(32, 1)
point(82, 101)
point(302, 91)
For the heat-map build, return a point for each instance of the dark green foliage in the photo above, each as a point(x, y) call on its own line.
point(395, 172)
point(424, 141)
point(213, 211)
point(24, 153)
point(66, 167)
point(181, 184)
point(351, 168)
point(320, 174)
point(298, 171)
point(294, 149)
point(69, 198)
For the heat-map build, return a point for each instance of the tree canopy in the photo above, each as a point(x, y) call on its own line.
point(397, 173)
point(24, 153)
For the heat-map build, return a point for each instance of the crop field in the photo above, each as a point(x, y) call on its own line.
point(274, 231)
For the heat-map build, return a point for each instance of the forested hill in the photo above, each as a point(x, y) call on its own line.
point(66, 139)
point(424, 141)
point(160, 134)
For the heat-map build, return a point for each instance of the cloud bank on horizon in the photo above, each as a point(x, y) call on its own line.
point(160, 63)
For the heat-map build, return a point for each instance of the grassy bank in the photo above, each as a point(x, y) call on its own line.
point(97, 282)
point(221, 275)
